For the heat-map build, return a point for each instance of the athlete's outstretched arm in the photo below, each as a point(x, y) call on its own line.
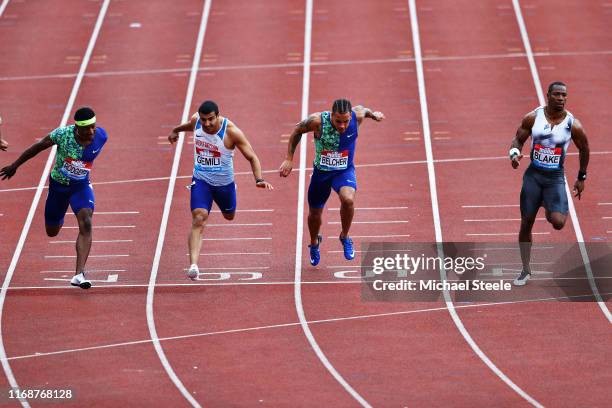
point(10, 170)
point(241, 142)
point(580, 140)
point(311, 124)
point(362, 112)
point(522, 134)
point(183, 127)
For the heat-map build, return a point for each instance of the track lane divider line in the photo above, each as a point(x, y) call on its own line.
point(299, 307)
point(436, 211)
point(3, 6)
point(41, 184)
point(167, 206)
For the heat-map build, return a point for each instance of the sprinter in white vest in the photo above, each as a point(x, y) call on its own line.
point(215, 139)
point(551, 128)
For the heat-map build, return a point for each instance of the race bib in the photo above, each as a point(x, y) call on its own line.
point(332, 160)
point(547, 157)
point(75, 169)
point(207, 159)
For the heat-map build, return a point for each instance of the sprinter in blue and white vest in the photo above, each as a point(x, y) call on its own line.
point(214, 141)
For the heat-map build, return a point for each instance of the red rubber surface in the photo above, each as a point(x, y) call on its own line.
point(237, 342)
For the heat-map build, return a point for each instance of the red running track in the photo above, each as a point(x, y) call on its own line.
point(242, 344)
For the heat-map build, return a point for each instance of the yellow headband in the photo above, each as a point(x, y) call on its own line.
point(86, 122)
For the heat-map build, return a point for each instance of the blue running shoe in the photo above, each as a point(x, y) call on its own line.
point(347, 244)
point(315, 253)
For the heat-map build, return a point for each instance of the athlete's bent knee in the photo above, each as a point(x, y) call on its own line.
point(315, 212)
point(558, 224)
point(199, 218)
point(347, 201)
point(85, 225)
point(557, 220)
point(527, 223)
point(52, 230)
point(84, 219)
point(229, 216)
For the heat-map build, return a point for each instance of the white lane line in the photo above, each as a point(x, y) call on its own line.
point(436, 212)
point(283, 325)
point(300, 220)
point(572, 208)
point(257, 224)
point(88, 271)
point(373, 236)
point(372, 208)
point(197, 55)
point(249, 209)
point(606, 218)
point(95, 242)
point(370, 222)
point(90, 256)
point(115, 212)
point(490, 205)
point(500, 219)
point(403, 60)
point(103, 226)
point(604, 203)
point(3, 7)
point(109, 279)
point(402, 163)
point(345, 266)
point(234, 253)
point(492, 234)
point(509, 248)
point(398, 251)
point(253, 268)
point(217, 282)
point(26, 227)
point(237, 239)
point(517, 263)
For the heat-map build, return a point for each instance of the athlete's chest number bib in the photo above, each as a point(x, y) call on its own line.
point(208, 160)
point(547, 157)
point(332, 160)
point(75, 169)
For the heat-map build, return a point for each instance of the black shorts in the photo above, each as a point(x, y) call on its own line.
point(543, 189)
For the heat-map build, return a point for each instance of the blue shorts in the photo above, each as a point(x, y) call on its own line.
point(77, 195)
point(322, 182)
point(543, 189)
point(203, 195)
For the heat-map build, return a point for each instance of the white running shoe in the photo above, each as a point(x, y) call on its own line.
point(80, 281)
point(522, 279)
point(193, 272)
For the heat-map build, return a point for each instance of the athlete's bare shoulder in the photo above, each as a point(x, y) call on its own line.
point(311, 124)
point(232, 129)
point(577, 130)
point(528, 120)
point(576, 123)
